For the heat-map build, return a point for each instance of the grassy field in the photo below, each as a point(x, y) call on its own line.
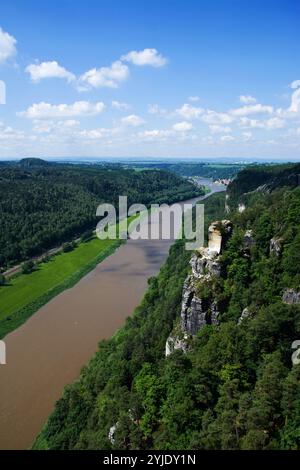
point(26, 293)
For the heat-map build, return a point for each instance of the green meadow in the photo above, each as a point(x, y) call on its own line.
point(26, 293)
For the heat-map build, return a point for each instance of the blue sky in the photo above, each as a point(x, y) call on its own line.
point(161, 78)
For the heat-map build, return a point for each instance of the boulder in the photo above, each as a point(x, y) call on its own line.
point(291, 296)
point(276, 246)
point(248, 242)
point(245, 314)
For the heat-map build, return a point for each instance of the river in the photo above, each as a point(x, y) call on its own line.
point(49, 350)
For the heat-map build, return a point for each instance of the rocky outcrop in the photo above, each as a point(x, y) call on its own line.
point(174, 342)
point(200, 309)
point(218, 234)
point(205, 263)
point(276, 246)
point(246, 313)
point(227, 207)
point(241, 208)
point(111, 433)
point(248, 243)
point(291, 296)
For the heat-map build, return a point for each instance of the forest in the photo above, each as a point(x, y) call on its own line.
point(43, 205)
point(189, 169)
point(236, 387)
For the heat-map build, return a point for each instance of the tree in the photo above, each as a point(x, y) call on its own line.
point(67, 247)
point(87, 235)
point(28, 267)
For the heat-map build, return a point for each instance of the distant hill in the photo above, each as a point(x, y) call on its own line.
point(33, 162)
point(263, 179)
point(58, 202)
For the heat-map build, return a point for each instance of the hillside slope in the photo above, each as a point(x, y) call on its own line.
point(43, 205)
point(235, 386)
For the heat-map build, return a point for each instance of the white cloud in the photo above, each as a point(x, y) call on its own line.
point(252, 109)
point(108, 77)
point(99, 133)
point(227, 138)
point(44, 126)
point(52, 69)
point(247, 136)
point(182, 126)
point(119, 105)
point(217, 129)
point(268, 124)
point(194, 99)
point(156, 109)
point(294, 131)
point(247, 99)
point(155, 134)
point(295, 84)
point(50, 111)
point(208, 139)
point(7, 46)
point(145, 57)
point(10, 135)
point(213, 117)
point(188, 111)
point(133, 120)
point(295, 101)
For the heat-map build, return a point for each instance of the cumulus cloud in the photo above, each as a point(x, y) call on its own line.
point(247, 99)
point(295, 84)
point(9, 134)
point(51, 111)
point(119, 105)
point(51, 69)
point(213, 117)
point(268, 124)
point(189, 112)
point(45, 126)
point(155, 134)
point(132, 120)
point(252, 109)
point(99, 133)
point(194, 99)
point(103, 77)
point(108, 77)
point(7, 46)
point(182, 126)
point(227, 138)
point(145, 57)
point(156, 109)
point(217, 129)
point(295, 102)
point(247, 136)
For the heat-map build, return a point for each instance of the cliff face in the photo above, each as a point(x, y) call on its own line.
point(199, 307)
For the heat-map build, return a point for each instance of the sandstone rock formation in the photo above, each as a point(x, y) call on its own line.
point(246, 313)
point(198, 310)
point(241, 208)
point(276, 246)
point(218, 234)
point(291, 296)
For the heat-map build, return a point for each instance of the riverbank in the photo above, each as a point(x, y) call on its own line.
point(23, 295)
point(103, 388)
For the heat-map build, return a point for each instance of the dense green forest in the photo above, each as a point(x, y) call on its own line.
point(263, 178)
point(236, 388)
point(43, 205)
point(204, 170)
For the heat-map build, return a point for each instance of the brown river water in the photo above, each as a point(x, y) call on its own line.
point(48, 351)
